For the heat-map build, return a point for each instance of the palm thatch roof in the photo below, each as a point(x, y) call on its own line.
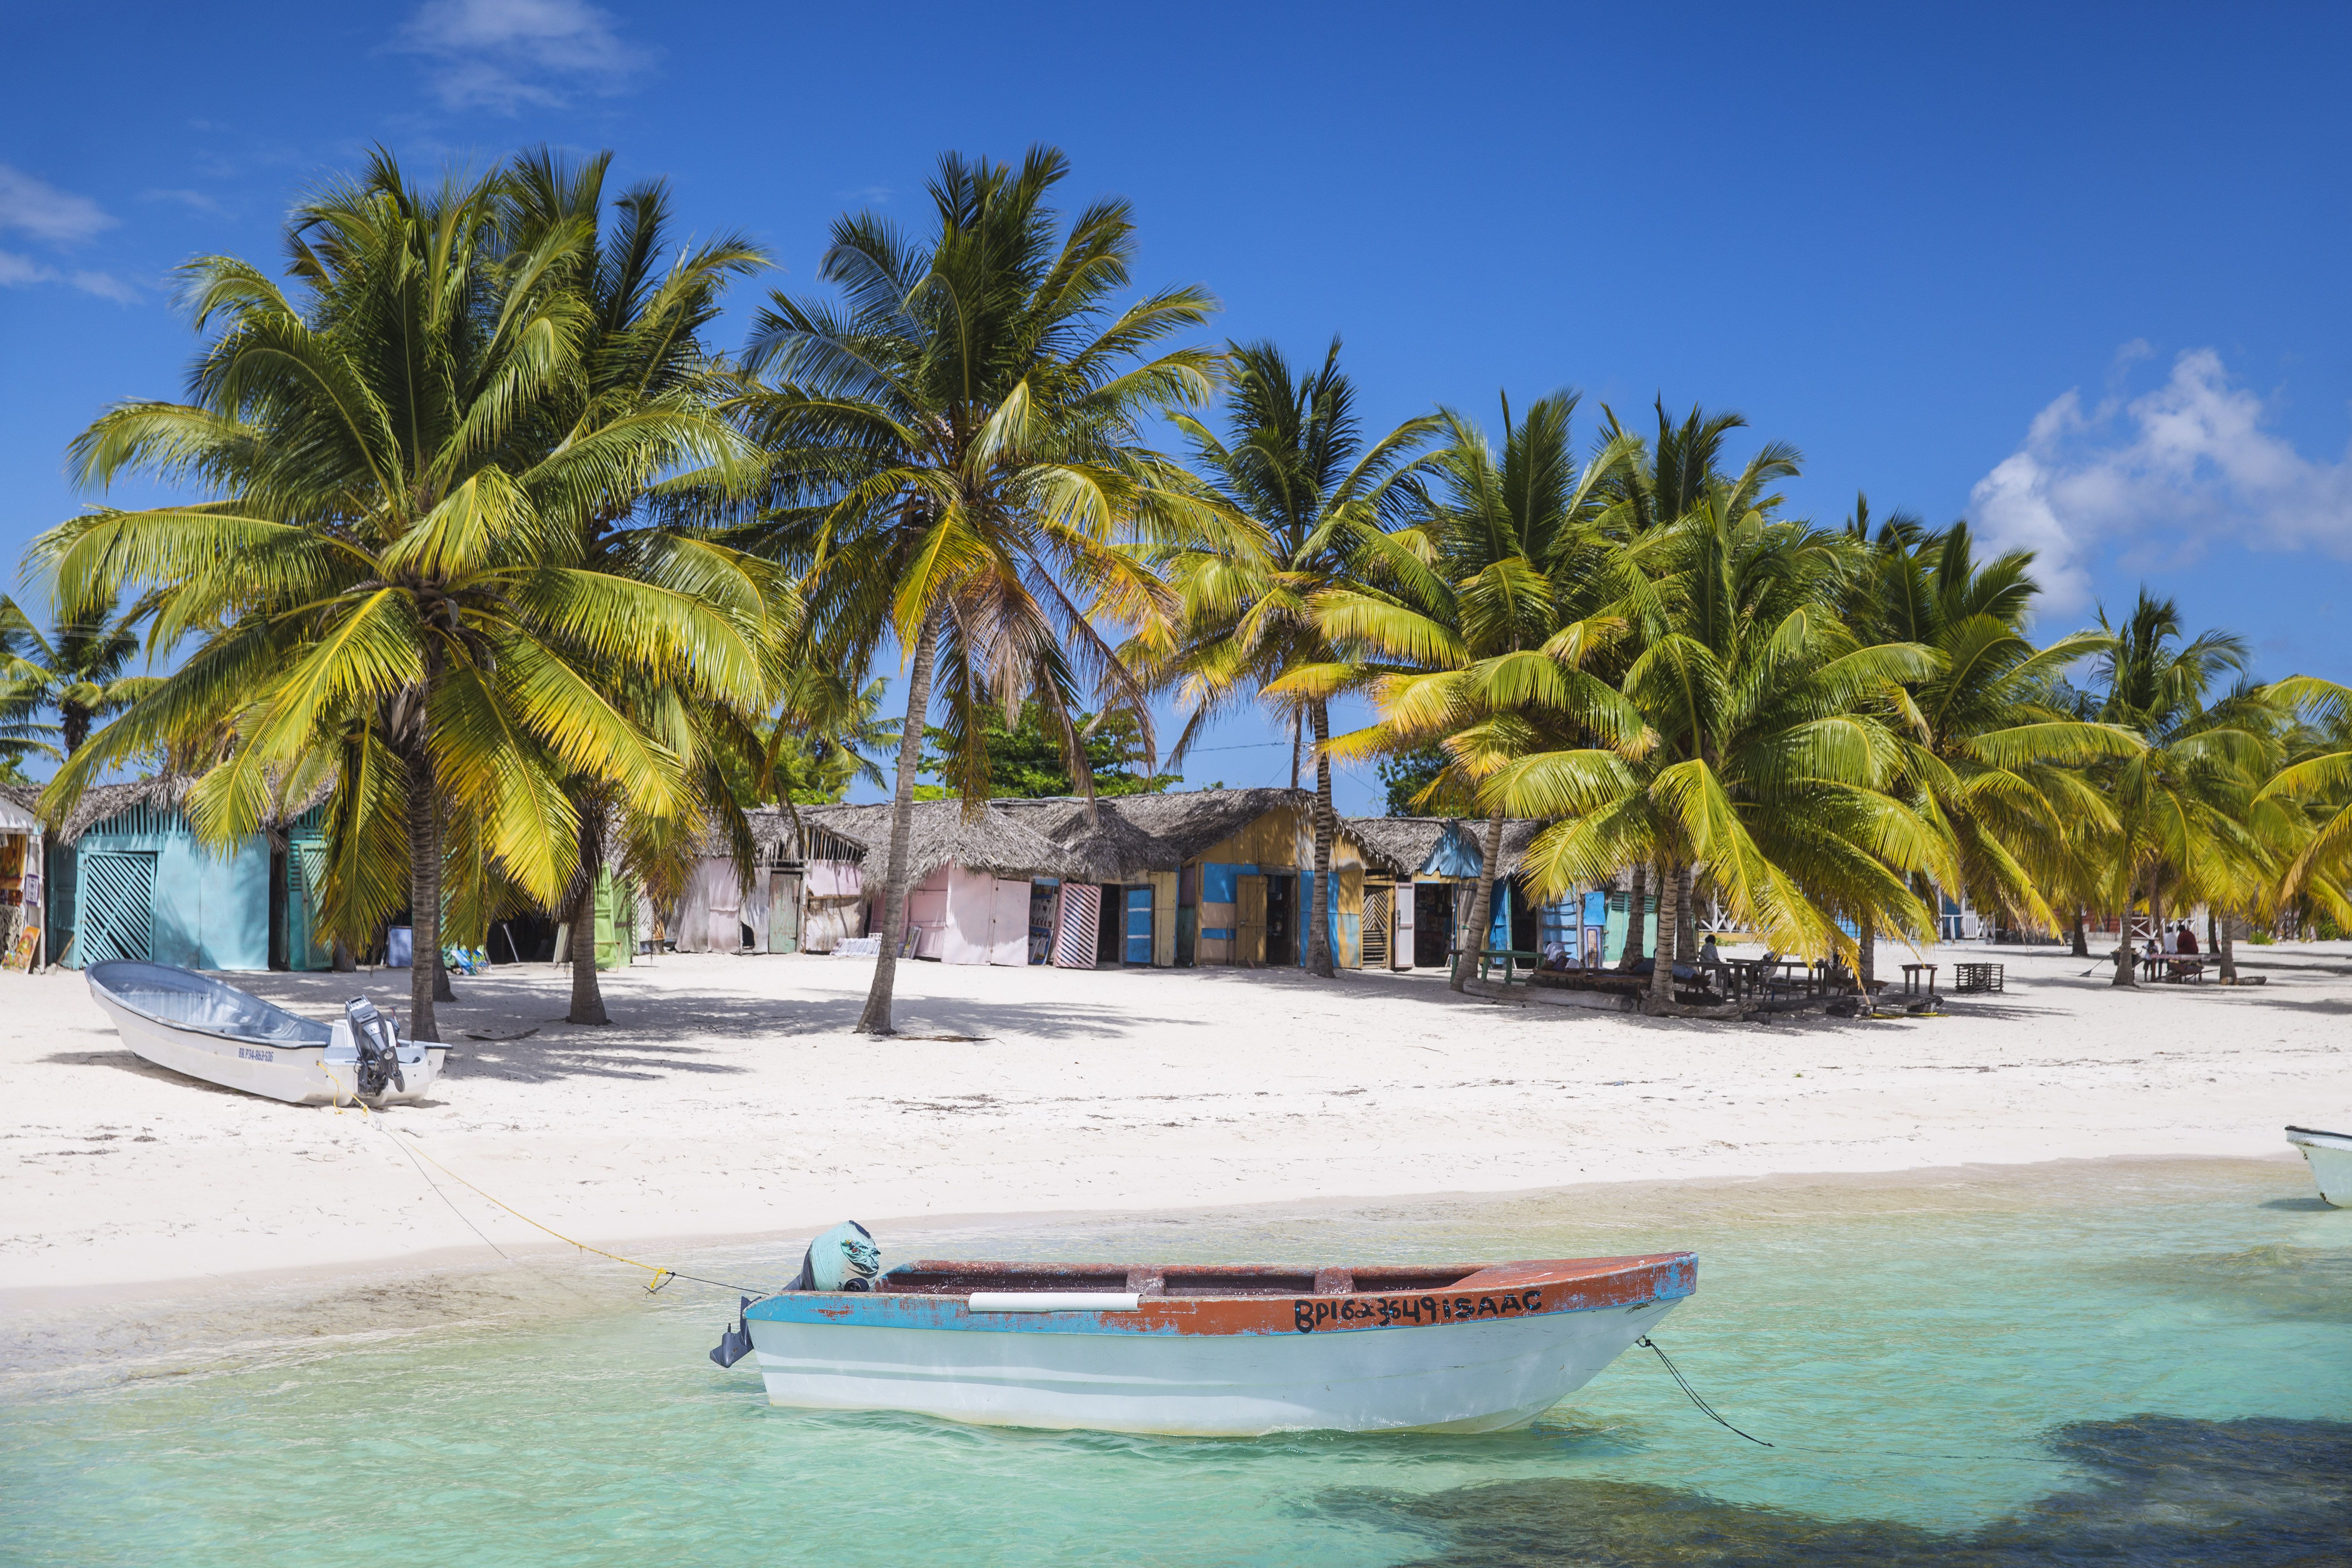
point(1403, 845)
point(993, 840)
point(162, 792)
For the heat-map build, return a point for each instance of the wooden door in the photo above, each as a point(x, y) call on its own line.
point(1249, 933)
point(1377, 904)
point(783, 911)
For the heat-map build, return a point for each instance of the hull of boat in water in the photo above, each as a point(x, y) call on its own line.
point(194, 1024)
point(1232, 1352)
point(2329, 1155)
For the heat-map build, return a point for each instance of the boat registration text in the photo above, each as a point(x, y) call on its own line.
point(1381, 1312)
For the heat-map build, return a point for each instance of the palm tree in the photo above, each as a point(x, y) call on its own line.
point(960, 465)
point(77, 667)
point(1662, 481)
point(643, 366)
point(1986, 758)
point(1476, 626)
point(2181, 798)
point(1766, 756)
point(1292, 462)
point(388, 575)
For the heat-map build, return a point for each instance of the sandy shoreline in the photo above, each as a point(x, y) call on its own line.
point(728, 1101)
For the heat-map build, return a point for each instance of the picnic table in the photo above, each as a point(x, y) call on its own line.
point(1911, 972)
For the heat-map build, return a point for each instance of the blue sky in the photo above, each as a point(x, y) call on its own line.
point(2079, 274)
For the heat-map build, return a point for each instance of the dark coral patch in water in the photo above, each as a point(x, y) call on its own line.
point(2166, 1494)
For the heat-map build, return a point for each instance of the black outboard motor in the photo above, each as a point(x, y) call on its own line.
point(378, 1046)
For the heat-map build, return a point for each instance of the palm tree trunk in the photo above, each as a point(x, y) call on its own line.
point(587, 997)
point(1662, 973)
point(1319, 919)
point(2225, 943)
point(1637, 917)
point(1294, 751)
point(343, 960)
point(2082, 934)
point(1465, 961)
point(876, 1019)
point(1868, 942)
point(1687, 917)
point(424, 896)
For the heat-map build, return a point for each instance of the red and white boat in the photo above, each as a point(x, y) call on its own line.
point(1236, 1352)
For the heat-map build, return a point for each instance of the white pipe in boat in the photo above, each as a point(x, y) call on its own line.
point(1055, 1301)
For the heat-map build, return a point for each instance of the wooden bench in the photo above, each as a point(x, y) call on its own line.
point(1513, 960)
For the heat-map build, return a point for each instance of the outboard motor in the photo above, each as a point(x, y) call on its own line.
point(376, 1046)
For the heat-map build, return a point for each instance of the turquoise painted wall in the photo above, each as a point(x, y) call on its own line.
point(209, 910)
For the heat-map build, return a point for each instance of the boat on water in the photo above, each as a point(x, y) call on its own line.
point(1234, 1351)
point(193, 1024)
point(2329, 1155)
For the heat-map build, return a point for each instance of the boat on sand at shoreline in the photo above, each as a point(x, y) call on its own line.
point(2329, 1155)
point(1229, 1351)
point(196, 1026)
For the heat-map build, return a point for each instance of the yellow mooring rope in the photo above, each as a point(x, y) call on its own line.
point(661, 1276)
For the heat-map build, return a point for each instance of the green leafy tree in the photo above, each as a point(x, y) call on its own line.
point(1407, 777)
point(1026, 760)
point(960, 467)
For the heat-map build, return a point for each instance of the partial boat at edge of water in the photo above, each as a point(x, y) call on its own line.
point(2329, 1155)
point(1235, 1351)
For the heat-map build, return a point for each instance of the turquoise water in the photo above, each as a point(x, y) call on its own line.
point(2051, 1364)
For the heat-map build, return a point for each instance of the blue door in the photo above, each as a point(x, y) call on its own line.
point(1139, 925)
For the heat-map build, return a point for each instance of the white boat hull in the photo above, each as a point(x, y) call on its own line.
point(2329, 1155)
point(297, 1074)
point(1485, 1377)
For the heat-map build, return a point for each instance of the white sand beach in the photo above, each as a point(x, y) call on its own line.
point(728, 1100)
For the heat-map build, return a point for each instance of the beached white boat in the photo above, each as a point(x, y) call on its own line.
point(193, 1024)
point(1214, 1351)
point(2329, 1155)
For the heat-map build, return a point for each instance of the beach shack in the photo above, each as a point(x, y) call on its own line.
point(127, 879)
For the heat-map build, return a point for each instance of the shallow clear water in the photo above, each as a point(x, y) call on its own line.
point(1958, 1366)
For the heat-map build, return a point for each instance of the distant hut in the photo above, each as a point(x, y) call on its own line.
point(1219, 877)
point(1426, 879)
point(984, 888)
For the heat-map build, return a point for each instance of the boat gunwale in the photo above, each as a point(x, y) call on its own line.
point(1519, 1289)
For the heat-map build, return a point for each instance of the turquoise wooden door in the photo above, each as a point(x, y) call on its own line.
point(1139, 925)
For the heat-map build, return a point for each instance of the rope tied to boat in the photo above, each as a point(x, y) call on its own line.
point(1683, 1383)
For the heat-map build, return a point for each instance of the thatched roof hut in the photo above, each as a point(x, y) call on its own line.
point(162, 792)
point(994, 840)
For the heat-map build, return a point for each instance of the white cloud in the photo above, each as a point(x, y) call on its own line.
point(2157, 479)
point(502, 55)
point(22, 271)
point(39, 208)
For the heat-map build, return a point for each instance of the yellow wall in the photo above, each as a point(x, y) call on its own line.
point(1163, 920)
